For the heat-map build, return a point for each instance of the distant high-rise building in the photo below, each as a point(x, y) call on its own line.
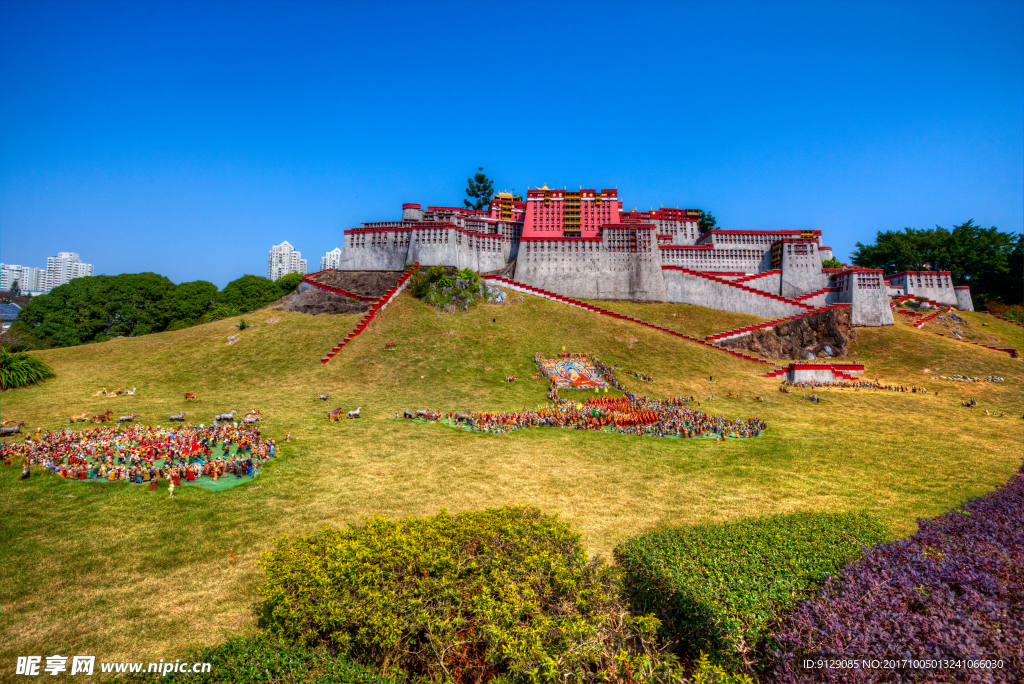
point(65, 267)
point(331, 260)
point(284, 259)
point(29, 278)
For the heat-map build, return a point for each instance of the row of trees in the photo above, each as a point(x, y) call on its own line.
point(98, 308)
point(987, 259)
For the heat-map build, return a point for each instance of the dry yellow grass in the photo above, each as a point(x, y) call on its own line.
point(118, 572)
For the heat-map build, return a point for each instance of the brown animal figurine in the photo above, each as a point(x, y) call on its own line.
point(116, 393)
point(80, 418)
point(102, 417)
point(335, 414)
point(99, 392)
point(189, 395)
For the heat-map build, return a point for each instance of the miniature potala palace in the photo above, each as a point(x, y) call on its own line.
point(582, 244)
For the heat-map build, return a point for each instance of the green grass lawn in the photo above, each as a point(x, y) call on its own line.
point(121, 573)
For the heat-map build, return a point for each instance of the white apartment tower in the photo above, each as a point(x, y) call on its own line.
point(331, 260)
point(64, 267)
point(29, 278)
point(284, 259)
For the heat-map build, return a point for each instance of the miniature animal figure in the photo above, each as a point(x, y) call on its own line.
point(102, 417)
point(462, 417)
point(189, 395)
point(119, 391)
point(8, 423)
point(323, 397)
point(354, 414)
point(250, 419)
point(131, 391)
point(421, 413)
point(10, 430)
point(80, 418)
point(128, 418)
point(225, 417)
point(408, 414)
point(99, 392)
point(335, 414)
point(179, 417)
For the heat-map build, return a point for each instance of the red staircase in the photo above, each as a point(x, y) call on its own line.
point(736, 332)
point(537, 292)
point(378, 306)
point(744, 288)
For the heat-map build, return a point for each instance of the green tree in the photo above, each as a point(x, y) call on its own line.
point(480, 190)
point(188, 302)
point(15, 289)
point(99, 307)
point(249, 293)
point(706, 222)
point(831, 263)
point(981, 258)
point(288, 282)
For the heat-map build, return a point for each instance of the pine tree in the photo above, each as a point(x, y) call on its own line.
point(481, 189)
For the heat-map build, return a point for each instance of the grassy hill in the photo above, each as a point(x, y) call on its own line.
point(116, 571)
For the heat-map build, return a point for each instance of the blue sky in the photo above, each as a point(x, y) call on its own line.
point(186, 138)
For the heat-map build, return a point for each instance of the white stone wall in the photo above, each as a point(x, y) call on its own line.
point(964, 302)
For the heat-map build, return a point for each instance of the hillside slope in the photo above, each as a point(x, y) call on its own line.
point(115, 570)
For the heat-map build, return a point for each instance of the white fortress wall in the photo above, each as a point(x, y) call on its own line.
point(964, 302)
point(866, 292)
point(598, 268)
point(801, 269)
point(689, 288)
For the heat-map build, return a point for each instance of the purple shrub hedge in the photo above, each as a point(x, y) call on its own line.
point(954, 591)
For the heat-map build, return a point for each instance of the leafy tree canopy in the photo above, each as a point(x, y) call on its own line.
point(15, 289)
point(706, 222)
point(97, 308)
point(289, 281)
point(480, 190)
point(986, 259)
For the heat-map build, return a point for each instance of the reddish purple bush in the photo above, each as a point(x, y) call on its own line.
point(954, 591)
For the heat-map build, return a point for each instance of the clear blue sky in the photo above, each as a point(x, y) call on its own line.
point(187, 138)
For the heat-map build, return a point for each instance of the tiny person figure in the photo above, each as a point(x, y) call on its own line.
point(170, 490)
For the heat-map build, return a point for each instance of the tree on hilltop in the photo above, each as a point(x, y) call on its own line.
point(706, 222)
point(480, 189)
point(983, 258)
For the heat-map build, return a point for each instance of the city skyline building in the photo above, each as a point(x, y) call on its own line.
point(331, 260)
point(284, 259)
point(65, 267)
point(30, 279)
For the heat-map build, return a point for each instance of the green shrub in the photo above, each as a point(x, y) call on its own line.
point(288, 282)
point(265, 660)
point(497, 595)
point(716, 588)
point(19, 369)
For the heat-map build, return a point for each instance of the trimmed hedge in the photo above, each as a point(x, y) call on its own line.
point(265, 660)
point(501, 594)
point(954, 590)
point(716, 588)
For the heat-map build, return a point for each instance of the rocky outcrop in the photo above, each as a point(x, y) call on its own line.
point(310, 300)
point(818, 335)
